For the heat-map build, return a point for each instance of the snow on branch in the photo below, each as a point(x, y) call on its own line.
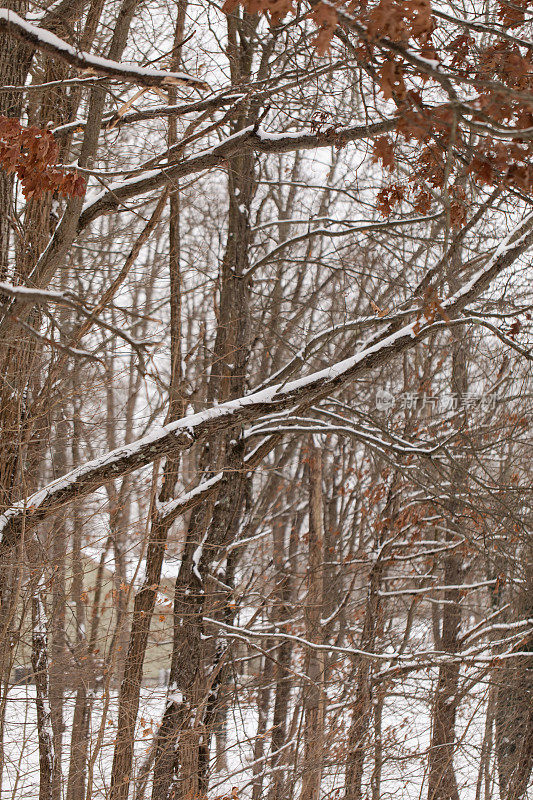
point(309, 425)
point(301, 393)
point(219, 100)
point(249, 139)
point(172, 508)
point(50, 43)
point(169, 510)
point(37, 295)
point(256, 140)
point(418, 660)
point(29, 294)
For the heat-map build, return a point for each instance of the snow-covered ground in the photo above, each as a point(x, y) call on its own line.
point(405, 737)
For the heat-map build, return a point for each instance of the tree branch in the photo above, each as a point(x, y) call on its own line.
point(184, 432)
point(49, 43)
point(248, 139)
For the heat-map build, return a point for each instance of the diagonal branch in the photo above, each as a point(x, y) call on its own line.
point(250, 138)
point(184, 432)
point(115, 195)
point(49, 43)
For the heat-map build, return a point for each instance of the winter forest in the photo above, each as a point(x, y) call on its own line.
point(266, 400)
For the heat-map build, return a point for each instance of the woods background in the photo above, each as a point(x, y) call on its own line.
point(265, 399)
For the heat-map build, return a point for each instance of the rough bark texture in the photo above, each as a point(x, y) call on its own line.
point(263, 706)
point(362, 707)
point(48, 764)
point(442, 784)
point(314, 695)
point(15, 59)
point(180, 767)
point(283, 609)
point(514, 702)
point(363, 668)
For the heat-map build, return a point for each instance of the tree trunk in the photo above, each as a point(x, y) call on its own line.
point(362, 707)
point(442, 784)
point(79, 741)
point(314, 691)
point(15, 59)
point(263, 708)
point(514, 702)
point(59, 667)
point(48, 765)
point(182, 772)
point(282, 611)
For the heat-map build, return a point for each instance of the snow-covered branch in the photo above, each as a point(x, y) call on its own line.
point(249, 139)
point(48, 42)
point(183, 433)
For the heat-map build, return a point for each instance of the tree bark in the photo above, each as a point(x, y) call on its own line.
point(364, 691)
point(182, 772)
point(79, 742)
point(263, 708)
point(48, 764)
point(514, 701)
point(15, 59)
point(282, 612)
point(314, 695)
point(442, 783)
